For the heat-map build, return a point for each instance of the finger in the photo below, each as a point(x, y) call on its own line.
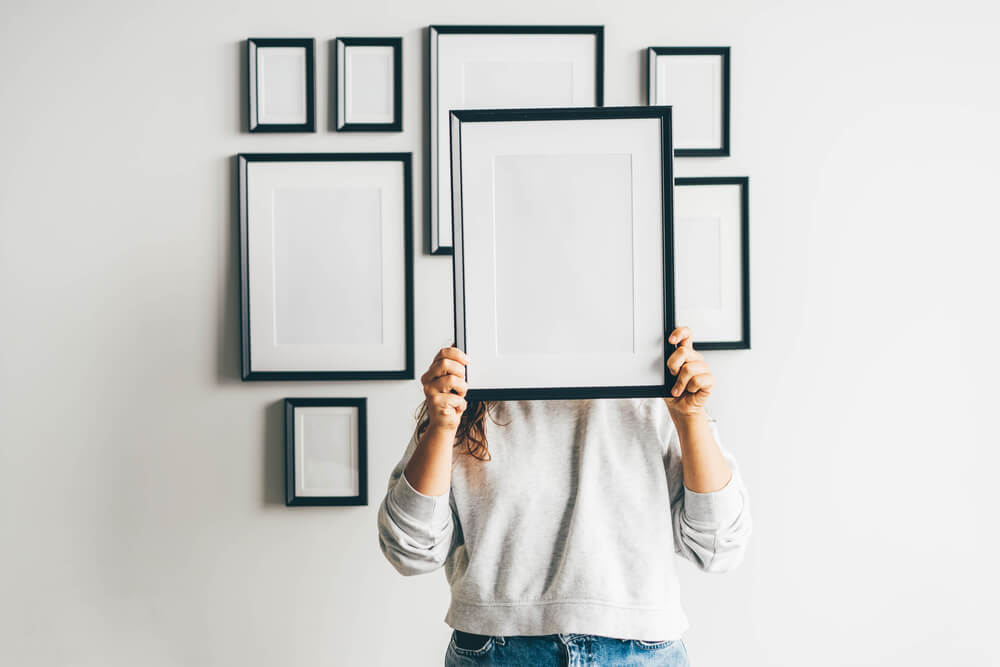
point(680, 336)
point(689, 370)
point(700, 384)
point(447, 403)
point(452, 353)
point(443, 367)
point(457, 403)
point(678, 358)
point(446, 383)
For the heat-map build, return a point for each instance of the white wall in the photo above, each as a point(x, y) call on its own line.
point(141, 481)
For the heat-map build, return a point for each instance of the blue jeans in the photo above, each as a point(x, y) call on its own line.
point(568, 650)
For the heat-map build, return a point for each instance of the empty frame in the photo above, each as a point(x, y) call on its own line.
point(326, 266)
point(281, 85)
point(502, 67)
point(326, 451)
point(712, 260)
point(694, 80)
point(563, 251)
point(369, 84)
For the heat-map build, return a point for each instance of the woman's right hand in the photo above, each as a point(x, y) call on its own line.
point(446, 374)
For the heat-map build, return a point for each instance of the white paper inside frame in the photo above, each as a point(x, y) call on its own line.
point(367, 84)
point(483, 71)
point(326, 451)
point(692, 85)
point(281, 85)
point(563, 253)
point(327, 266)
point(708, 261)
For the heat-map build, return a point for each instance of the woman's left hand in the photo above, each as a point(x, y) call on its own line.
point(694, 379)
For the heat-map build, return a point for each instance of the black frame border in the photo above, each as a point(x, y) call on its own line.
point(397, 87)
point(597, 30)
point(291, 500)
point(663, 113)
point(744, 184)
point(242, 161)
point(310, 46)
point(724, 52)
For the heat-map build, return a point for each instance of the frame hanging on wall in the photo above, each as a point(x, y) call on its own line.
point(369, 73)
point(694, 80)
point(563, 255)
point(326, 266)
point(281, 80)
point(496, 67)
point(326, 451)
point(712, 260)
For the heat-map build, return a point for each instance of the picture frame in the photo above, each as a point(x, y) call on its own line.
point(712, 251)
point(501, 66)
point(369, 84)
point(540, 197)
point(281, 84)
point(695, 80)
point(326, 451)
point(323, 296)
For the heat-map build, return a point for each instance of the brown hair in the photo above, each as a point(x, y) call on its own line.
point(471, 429)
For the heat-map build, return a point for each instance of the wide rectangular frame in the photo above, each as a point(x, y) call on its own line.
point(724, 53)
point(396, 43)
point(744, 184)
point(242, 162)
point(434, 172)
point(663, 114)
point(253, 43)
point(291, 499)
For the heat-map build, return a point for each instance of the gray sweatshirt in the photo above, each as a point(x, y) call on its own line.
point(572, 525)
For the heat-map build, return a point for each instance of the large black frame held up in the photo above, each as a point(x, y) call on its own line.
point(661, 113)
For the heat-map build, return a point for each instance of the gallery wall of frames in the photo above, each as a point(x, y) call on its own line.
point(557, 213)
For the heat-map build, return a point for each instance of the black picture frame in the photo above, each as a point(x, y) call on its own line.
point(724, 53)
point(243, 160)
point(663, 114)
point(743, 182)
point(308, 44)
point(396, 43)
point(291, 497)
point(434, 246)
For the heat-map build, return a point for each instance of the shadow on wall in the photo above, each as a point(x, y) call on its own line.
point(273, 468)
point(228, 310)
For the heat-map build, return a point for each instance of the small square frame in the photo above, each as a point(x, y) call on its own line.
point(291, 497)
point(724, 53)
point(340, 91)
point(253, 81)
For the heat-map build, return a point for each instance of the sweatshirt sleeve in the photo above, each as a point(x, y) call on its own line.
point(415, 531)
point(710, 529)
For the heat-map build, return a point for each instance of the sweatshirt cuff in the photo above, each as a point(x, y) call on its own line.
point(433, 510)
point(716, 507)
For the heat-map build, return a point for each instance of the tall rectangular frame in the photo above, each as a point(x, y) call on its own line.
point(433, 170)
point(743, 182)
point(661, 113)
point(242, 162)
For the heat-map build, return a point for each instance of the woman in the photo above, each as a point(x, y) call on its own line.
point(556, 532)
